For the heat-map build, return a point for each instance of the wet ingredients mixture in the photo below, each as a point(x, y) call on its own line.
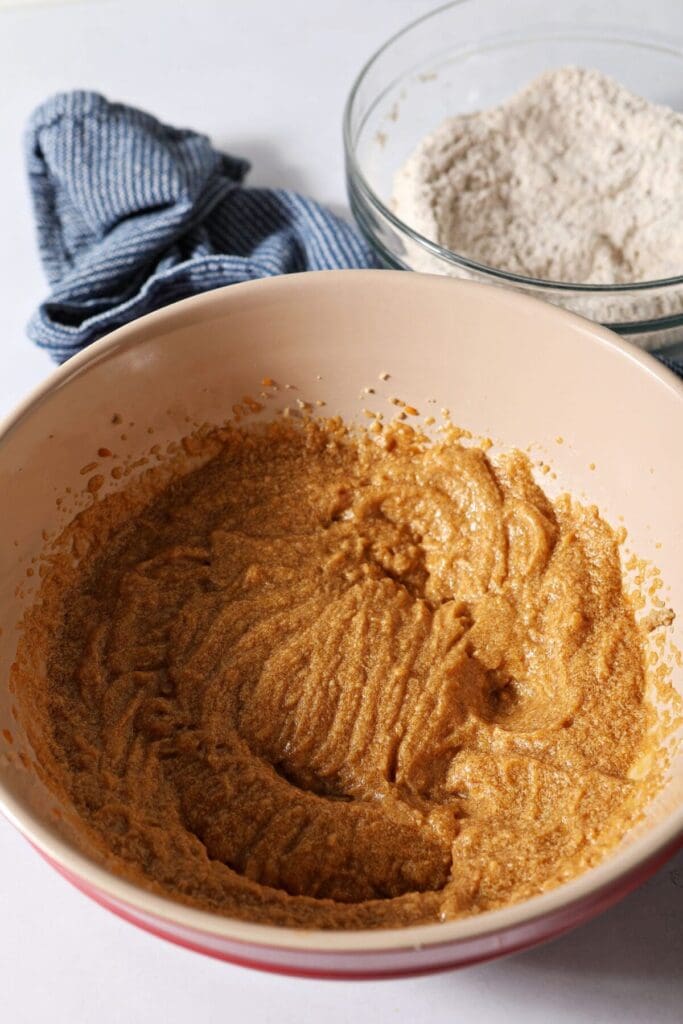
point(341, 680)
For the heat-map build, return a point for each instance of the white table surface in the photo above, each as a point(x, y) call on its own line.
point(269, 85)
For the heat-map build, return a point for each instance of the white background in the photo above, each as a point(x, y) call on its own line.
point(266, 79)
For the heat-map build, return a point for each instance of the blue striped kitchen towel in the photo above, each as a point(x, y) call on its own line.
point(133, 214)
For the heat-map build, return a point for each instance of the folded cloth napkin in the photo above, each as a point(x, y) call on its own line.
point(133, 214)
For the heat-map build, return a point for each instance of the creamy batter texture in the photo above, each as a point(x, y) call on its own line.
point(341, 681)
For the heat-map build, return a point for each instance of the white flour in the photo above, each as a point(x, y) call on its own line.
point(574, 179)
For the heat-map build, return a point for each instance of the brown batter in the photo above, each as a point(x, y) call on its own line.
point(328, 682)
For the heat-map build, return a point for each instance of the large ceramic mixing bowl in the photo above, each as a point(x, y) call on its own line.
point(507, 366)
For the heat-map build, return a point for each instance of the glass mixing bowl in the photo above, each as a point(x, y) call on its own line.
point(474, 54)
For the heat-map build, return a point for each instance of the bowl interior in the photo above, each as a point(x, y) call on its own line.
point(408, 94)
point(506, 366)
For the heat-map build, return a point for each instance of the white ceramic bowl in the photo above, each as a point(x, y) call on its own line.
point(506, 365)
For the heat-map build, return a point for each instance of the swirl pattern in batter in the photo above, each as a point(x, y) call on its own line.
point(327, 681)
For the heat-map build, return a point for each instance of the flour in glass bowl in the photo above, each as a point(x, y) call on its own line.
point(574, 179)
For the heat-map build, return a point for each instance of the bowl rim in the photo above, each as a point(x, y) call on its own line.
point(360, 180)
point(600, 879)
